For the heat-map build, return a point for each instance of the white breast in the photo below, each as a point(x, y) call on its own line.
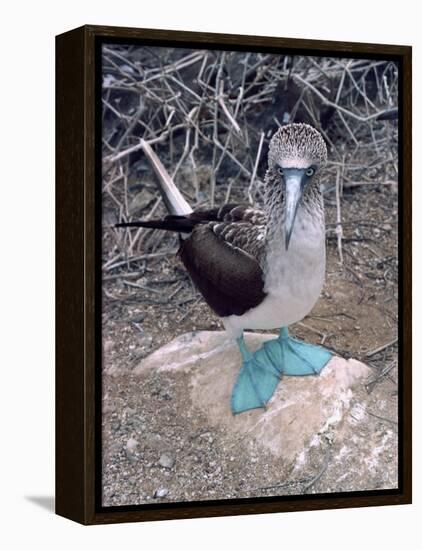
point(293, 279)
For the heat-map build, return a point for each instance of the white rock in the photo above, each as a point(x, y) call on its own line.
point(305, 415)
point(166, 460)
point(161, 493)
point(300, 408)
point(131, 444)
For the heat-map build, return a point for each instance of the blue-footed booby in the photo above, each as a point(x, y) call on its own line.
point(260, 268)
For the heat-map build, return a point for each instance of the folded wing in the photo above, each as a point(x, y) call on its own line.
point(224, 261)
point(223, 253)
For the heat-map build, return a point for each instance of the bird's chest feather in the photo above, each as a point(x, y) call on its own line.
point(299, 271)
point(293, 278)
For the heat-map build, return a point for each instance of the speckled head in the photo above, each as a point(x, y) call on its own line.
point(297, 146)
point(296, 153)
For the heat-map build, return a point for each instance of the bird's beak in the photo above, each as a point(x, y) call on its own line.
point(294, 180)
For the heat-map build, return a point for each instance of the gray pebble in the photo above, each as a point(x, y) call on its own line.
point(115, 425)
point(161, 493)
point(166, 460)
point(131, 445)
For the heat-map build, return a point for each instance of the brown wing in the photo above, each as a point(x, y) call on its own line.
point(222, 259)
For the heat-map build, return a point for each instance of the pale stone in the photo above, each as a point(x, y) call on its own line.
point(161, 493)
point(310, 420)
point(131, 444)
point(166, 460)
point(300, 408)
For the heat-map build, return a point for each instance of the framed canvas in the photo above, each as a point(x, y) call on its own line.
point(233, 274)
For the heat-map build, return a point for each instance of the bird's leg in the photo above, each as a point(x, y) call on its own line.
point(244, 352)
point(261, 371)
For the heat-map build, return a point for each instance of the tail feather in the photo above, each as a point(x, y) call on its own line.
point(172, 197)
point(180, 224)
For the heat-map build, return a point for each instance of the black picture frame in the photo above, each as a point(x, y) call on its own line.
point(78, 340)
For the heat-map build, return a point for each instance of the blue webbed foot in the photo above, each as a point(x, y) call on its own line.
point(261, 371)
point(256, 381)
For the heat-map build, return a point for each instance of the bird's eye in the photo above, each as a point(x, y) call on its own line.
point(280, 171)
point(310, 172)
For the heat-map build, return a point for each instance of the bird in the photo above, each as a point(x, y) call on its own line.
point(259, 268)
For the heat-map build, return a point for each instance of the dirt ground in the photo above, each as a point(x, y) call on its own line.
point(151, 444)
